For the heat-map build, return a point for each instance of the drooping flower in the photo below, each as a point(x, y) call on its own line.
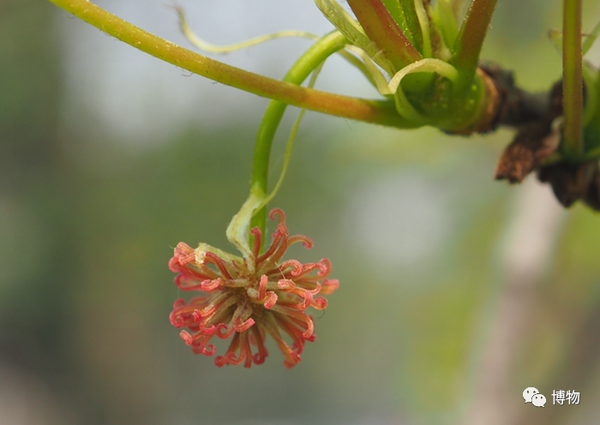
point(249, 298)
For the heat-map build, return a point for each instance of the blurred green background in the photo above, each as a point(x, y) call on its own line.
point(109, 158)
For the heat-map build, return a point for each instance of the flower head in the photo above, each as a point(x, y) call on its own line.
point(250, 297)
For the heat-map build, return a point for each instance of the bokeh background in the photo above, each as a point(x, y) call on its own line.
point(109, 158)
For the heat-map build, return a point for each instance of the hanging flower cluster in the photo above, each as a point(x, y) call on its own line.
point(249, 298)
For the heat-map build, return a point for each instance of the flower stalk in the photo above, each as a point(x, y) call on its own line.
point(307, 63)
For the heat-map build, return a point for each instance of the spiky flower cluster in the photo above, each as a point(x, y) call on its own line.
point(249, 297)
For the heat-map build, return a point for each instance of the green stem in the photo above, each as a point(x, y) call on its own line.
point(308, 62)
point(409, 22)
point(572, 78)
point(470, 39)
point(377, 112)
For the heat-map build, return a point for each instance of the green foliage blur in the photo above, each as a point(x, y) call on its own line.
point(412, 222)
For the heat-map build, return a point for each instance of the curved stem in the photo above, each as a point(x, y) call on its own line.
point(215, 48)
point(572, 78)
point(308, 62)
point(290, 142)
point(377, 112)
point(403, 106)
